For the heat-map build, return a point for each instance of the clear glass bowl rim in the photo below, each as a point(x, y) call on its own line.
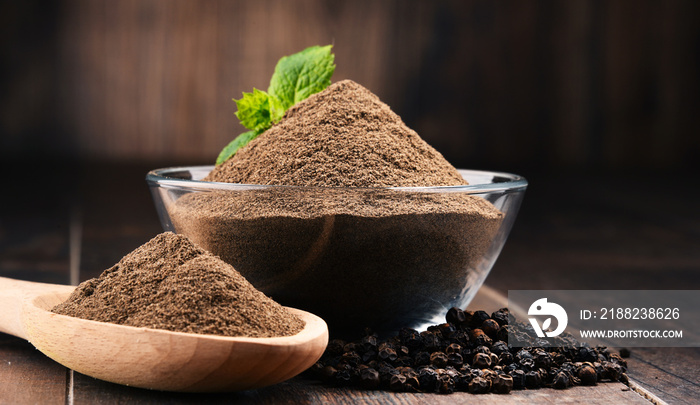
point(162, 178)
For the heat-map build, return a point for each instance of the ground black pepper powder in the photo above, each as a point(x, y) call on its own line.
point(485, 364)
point(169, 283)
point(343, 136)
point(322, 247)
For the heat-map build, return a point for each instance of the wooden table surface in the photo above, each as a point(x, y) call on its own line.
point(574, 231)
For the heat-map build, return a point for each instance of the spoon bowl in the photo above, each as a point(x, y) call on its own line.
point(153, 358)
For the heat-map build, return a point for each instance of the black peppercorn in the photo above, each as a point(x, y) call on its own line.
point(385, 372)
point(335, 347)
point(455, 360)
point(404, 361)
point(527, 364)
point(479, 385)
point(542, 359)
point(502, 384)
point(453, 348)
point(397, 382)
point(438, 359)
point(459, 336)
point(518, 379)
point(478, 318)
point(587, 375)
point(386, 352)
point(410, 338)
point(446, 330)
point(561, 380)
point(460, 355)
point(499, 347)
point(462, 381)
point(455, 316)
point(480, 338)
point(523, 354)
point(611, 371)
point(558, 358)
point(351, 358)
point(481, 360)
point(503, 332)
point(316, 368)
point(494, 359)
point(412, 383)
point(328, 373)
point(587, 354)
point(505, 358)
point(489, 375)
point(482, 349)
point(624, 379)
point(616, 358)
point(369, 378)
point(427, 379)
point(431, 342)
point(446, 384)
point(490, 327)
point(501, 316)
point(422, 359)
point(369, 342)
point(532, 379)
point(343, 377)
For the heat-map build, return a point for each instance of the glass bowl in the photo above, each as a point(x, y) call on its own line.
point(382, 258)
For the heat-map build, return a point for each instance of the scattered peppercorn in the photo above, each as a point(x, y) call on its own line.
point(438, 359)
point(468, 353)
point(481, 360)
point(561, 380)
point(478, 318)
point(479, 385)
point(587, 375)
point(456, 316)
point(503, 384)
point(490, 327)
point(624, 379)
point(369, 378)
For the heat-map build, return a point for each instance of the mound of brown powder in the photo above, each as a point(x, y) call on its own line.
point(343, 245)
point(343, 136)
point(169, 283)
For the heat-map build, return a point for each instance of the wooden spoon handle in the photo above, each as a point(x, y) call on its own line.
point(13, 295)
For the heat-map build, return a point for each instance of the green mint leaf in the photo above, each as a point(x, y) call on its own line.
point(277, 110)
point(257, 110)
point(231, 149)
point(298, 76)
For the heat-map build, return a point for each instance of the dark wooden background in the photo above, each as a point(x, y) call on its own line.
point(503, 85)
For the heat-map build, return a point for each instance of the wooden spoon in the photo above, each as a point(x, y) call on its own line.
point(153, 358)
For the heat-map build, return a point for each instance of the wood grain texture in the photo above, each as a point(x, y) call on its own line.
point(27, 376)
point(35, 214)
point(17, 295)
point(493, 85)
point(670, 373)
point(607, 231)
point(117, 213)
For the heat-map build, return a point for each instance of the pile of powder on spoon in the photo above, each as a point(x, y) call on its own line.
point(169, 283)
